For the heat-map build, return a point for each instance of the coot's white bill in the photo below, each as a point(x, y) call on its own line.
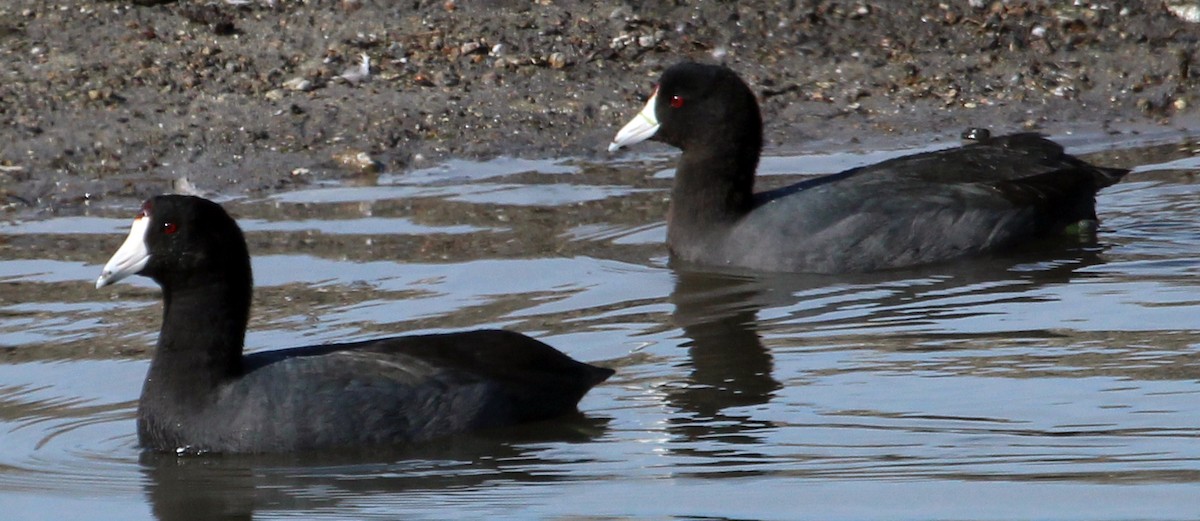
point(640, 128)
point(130, 258)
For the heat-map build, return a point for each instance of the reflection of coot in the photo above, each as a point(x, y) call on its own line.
point(235, 487)
point(730, 366)
point(203, 395)
point(924, 208)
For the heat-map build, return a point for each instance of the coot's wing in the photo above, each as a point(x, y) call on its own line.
point(1007, 158)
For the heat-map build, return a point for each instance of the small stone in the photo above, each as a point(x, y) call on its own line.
point(976, 134)
point(1188, 11)
point(448, 79)
point(298, 84)
point(557, 60)
point(185, 187)
point(358, 161)
point(423, 80)
point(358, 73)
point(274, 94)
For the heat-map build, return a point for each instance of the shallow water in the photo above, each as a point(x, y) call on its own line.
point(1060, 384)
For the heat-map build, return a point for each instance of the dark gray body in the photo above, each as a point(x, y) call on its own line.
point(908, 211)
point(400, 390)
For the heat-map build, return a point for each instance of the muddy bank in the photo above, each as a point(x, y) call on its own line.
point(104, 101)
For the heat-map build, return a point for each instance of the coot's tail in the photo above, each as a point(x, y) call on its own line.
point(598, 374)
point(1104, 176)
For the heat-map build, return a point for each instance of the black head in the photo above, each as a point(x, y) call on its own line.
point(179, 240)
point(706, 105)
point(702, 108)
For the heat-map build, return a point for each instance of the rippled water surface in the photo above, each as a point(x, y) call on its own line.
point(1061, 384)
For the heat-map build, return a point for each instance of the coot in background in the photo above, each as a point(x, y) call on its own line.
point(912, 210)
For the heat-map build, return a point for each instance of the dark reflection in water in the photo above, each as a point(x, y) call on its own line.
point(226, 487)
point(731, 368)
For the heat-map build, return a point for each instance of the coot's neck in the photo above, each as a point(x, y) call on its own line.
point(714, 187)
point(200, 345)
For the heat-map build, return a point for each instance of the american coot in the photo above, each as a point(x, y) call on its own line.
point(907, 211)
point(203, 395)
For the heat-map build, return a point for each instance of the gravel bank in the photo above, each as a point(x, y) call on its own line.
point(103, 100)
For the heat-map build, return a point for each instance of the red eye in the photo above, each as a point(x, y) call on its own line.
point(170, 228)
point(676, 102)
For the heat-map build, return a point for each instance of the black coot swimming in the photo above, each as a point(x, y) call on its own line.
point(203, 395)
point(907, 211)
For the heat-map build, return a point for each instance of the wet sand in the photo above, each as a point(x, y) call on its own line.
point(110, 102)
